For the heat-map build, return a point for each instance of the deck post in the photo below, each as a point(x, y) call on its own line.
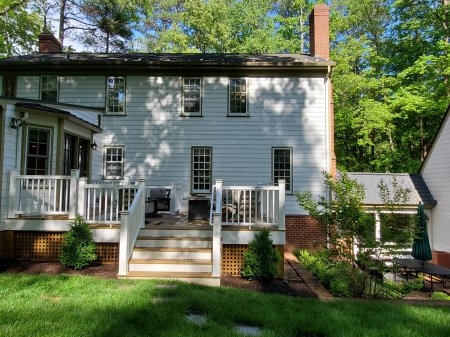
point(178, 198)
point(123, 244)
point(141, 185)
point(82, 197)
point(219, 195)
point(14, 194)
point(281, 203)
point(216, 246)
point(173, 196)
point(73, 197)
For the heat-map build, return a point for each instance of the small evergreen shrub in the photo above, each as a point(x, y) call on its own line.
point(261, 259)
point(78, 247)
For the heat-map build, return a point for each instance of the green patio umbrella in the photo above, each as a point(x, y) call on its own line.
point(421, 249)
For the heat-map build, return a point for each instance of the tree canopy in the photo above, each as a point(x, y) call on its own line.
point(390, 86)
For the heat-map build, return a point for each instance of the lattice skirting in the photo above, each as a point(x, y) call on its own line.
point(47, 246)
point(233, 258)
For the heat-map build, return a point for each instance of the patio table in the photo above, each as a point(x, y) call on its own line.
point(433, 270)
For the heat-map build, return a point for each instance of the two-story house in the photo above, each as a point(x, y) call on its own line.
point(246, 131)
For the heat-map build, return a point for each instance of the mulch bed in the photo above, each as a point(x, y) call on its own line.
point(291, 284)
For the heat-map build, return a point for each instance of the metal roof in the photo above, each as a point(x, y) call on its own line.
point(413, 182)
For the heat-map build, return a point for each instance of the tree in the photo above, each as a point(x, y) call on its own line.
point(113, 23)
point(19, 28)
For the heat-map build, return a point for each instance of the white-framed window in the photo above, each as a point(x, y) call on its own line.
point(201, 158)
point(38, 151)
point(49, 88)
point(192, 96)
point(114, 160)
point(282, 166)
point(238, 97)
point(115, 95)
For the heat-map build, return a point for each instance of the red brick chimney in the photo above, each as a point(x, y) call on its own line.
point(48, 43)
point(319, 31)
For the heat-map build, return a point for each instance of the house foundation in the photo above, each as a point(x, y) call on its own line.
point(303, 232)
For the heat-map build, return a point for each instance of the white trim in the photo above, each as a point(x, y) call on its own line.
point(105, 148)
point(200, 112)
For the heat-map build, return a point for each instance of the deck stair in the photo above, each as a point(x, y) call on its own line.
point(181, 253)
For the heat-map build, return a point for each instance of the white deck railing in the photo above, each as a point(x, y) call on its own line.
point(39, 194)
point(250, 205)
point(131, 221)
point(104, 202)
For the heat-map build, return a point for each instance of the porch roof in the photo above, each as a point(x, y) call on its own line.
point(60, 113)
point(413, 182)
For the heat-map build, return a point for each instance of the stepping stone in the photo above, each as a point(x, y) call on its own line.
point(248, 330)
point(198, 319)
point(166, 286)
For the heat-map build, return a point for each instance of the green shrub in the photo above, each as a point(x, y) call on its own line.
point(391, 290)
point(78, 247)
point(261, 259)
point(440, 296)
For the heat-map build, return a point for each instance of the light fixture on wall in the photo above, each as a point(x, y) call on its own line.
point(16, 123)
point(94, 146)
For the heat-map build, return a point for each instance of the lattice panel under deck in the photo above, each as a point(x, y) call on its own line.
point(108, 252)
point(232, 258)
point(38, 245)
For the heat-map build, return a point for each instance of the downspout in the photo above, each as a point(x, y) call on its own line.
point(327, 136)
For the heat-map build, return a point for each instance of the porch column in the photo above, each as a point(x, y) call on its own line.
point(82, 197)
point(14, 194)
point(281, 203)
point(219, 196)
point(123, 244)
point(73, 197)
point(141, 205)
point(217, 244)
point(173, 198)
point(377, 226)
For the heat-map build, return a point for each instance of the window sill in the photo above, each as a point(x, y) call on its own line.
point(184, 115)
point(238, 115)
point(106, 114)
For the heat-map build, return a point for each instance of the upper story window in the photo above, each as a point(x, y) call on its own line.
point(192, 96)
point(115, 95)
point(38, 151)
point(114, 162)
point(201, 169)
point(49, 88)
point(9, 86)
point(282, 166)
point(238, 92)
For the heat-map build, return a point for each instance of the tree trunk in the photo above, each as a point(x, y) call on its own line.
point(62, 14)
point(107, 42)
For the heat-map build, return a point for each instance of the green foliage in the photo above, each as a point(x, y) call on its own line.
point(261, 259)
point(19, 26)
point(440, 296)
point(394, 290)
point(78, 247)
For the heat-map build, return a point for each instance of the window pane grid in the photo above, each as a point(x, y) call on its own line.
point(38, 152)
point(116, 95)
point(201, 169)
point(49, 88)
point(114, 162)
point(192, 95)
point(238, 95)
point(282, 166)
point(9, 86)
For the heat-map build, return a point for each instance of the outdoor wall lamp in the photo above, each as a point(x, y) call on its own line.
point(16, 123)
point(94, 146)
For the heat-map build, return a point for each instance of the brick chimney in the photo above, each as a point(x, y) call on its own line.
point(319, 31)
point(48, 43)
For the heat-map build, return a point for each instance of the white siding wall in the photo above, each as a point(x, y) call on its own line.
point(436, 174)
point(83, 90)
point(286, 111)
point(28, 87)
point(9, 161)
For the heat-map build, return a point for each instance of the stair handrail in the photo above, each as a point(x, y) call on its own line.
point(131, 222)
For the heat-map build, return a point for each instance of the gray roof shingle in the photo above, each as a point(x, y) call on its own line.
point(413, 182)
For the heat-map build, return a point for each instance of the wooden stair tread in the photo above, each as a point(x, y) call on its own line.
point(174, 238)
point(161, 274)
point(173, 249)
point(170, 261)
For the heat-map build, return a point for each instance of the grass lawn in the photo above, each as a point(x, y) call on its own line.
point(43, 305)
